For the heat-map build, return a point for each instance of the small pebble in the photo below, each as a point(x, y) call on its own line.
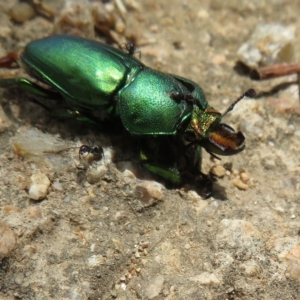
point(21, 12)
point(251, 268)
point(219, 171)
point(7, 240)
point(149, 190)
point(57, 186)
point(268, 44)
point(240, 184)
point(245, 177)
point(38, 188)
point(96, 260)
point(187, 246)
point(144, 245)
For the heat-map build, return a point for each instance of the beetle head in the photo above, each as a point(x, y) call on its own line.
point(206, 130)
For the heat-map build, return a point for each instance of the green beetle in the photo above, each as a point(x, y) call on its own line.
point(167, 111)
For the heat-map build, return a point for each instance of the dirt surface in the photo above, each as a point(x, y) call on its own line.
point(116, 233)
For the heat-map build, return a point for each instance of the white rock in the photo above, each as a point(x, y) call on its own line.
point(147, 190)
point(268, 44)
point(38, 188)
point(32, 143)
point(154, 287)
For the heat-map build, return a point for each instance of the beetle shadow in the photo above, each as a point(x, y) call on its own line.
point(126, 157)
point(125, 146)
point(219, 192)
point(20, 108)
point(7, 100)
point(213, 190)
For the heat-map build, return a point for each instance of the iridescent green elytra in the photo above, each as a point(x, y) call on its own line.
point(167, 111)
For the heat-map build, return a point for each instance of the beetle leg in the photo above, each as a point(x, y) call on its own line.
point(29, 86)
point(64, 113)
point(39, 91)
point(150, 159)
point(170, 174)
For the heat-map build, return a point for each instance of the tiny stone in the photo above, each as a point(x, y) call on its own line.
point(120, 26)
point(239, 184)
point(22, 12)
point(19, 279)
point(154, 28)
point(219, 171)
point(57, 186)
point(7, 240)
point(235, 172)
point(96, 260)
point(245, 177)
point(187, 246)
point(251, 268)
point(144, 245)
point(209, 223)
point(38, 188)
point(133, 272)
point(149, 190)
point(144, 261)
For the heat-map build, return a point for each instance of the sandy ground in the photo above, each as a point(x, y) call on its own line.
point(119, 234)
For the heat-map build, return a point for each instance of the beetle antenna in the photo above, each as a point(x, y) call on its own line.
point(251, 93)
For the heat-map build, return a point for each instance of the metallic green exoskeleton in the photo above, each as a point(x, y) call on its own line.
point(167, 111)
